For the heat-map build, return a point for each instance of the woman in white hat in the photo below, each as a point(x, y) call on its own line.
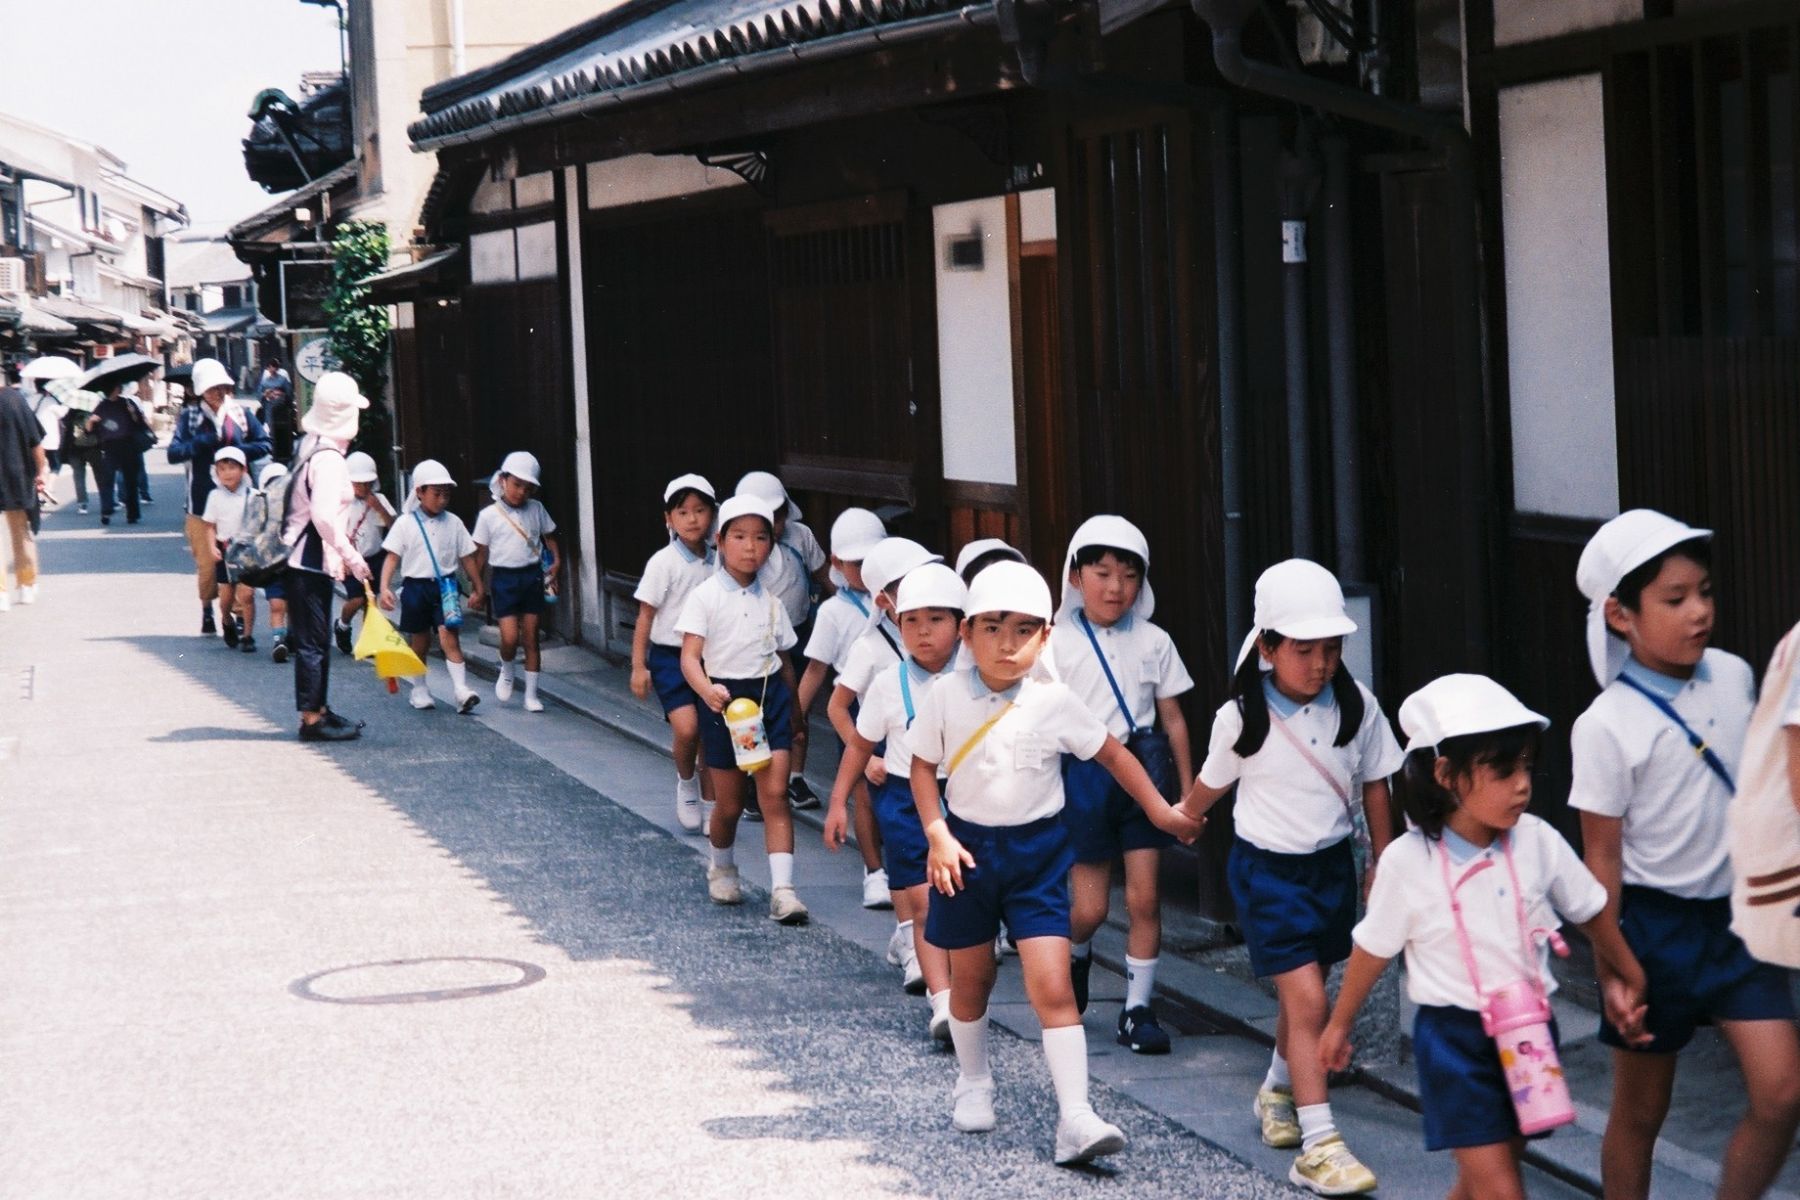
point(516, 541)
point(216, 420)
point(318, 529)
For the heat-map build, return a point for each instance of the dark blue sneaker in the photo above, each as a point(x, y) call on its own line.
point(1079, 966)
point(1139, 1032)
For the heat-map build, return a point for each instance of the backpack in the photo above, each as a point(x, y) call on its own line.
point(1765, 826)
point(259, 554)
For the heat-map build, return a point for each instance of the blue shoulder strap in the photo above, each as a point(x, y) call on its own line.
point(906, 691)
point(1695, 740)
point(1118, 693)
point(436, 571)
point(855, 600)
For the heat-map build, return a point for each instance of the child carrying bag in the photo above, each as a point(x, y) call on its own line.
point(1150, 746)
point(1765, 825)
point(449, 595)
point(259, 553)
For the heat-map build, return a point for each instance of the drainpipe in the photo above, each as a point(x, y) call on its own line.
point(1228, 278)
point(457, 57)
point(1299, 185)
point(1340, 340)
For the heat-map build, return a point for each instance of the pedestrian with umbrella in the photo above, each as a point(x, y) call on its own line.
point(123, 430)
point(80, 445)
point(37, 375)
point(200, 431)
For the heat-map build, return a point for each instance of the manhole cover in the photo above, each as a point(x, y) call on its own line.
point(416, 980)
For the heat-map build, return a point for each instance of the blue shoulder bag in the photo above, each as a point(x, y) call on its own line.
point(1150, 746)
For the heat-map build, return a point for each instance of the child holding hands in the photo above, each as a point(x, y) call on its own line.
point(516, 542)
point(423, 547)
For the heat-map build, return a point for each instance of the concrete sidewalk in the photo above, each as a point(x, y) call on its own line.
point(1205, 992)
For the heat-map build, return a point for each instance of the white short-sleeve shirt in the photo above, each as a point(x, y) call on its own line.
point(670, 577)
point(839, 622)
point(1013, 776)
point(1631, 762)
point(883, 715)
point(450, 541)
point(875, 650)
point(225, 510)
point(1144, 663)
point(790, 568)
point(1283, 804)
point(745, 627)
point(498, 528)
point(1409, 909)
point(364, 524)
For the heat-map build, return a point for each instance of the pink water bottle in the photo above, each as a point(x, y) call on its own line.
point(1517, 1017)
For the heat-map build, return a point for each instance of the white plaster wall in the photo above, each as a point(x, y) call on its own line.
point(1037, 215)
point(637, 178)
point(1531, 20)
point(974, 312)
point(537, 251)
point(493, 257)
point(1558, 298)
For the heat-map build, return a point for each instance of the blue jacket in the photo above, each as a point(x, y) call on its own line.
point(196, 440)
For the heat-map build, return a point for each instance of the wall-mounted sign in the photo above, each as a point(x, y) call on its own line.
point(314, 358)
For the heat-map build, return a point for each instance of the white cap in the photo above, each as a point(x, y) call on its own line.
point(521, 465)
point(270, 473)
point(1298, 599)
point(744, 505)
point(362, 468)
point(1120, 534)
point(698, 482)
point(431, 473)
point(855, 533)
point(931, 586)
point(1010, 587)
point(229, 454)
point(1622, 545)
point(891, 559)
point(336, 403)
point(208, 374)
point(1457, 705)
point(766, 485)
point(981, 546)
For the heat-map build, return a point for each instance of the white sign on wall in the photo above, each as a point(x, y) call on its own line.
point(314, 358)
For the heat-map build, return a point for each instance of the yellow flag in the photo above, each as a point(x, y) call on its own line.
point(380, 641)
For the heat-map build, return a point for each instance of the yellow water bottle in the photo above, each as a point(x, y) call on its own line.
point(749, 741)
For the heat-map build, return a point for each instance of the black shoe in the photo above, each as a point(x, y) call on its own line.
point(280, 652)
point(341, 721)
point(105, 519)
point(800, 794)
point(1139, 1032)
point(228, 627)
point(325, 731)
point(343, 639)
point(247, 644)
point(752, 812)
point(1079, 966)
point(207, 628)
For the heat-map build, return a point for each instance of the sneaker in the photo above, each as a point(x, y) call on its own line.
point(342, 633)
point(1079, 966)
point(247, 644)
point(751, 811)
point(28, 594)
point(466, 702)
point(912, 982)
point(106, 519)
point(533, 704)
point(1139, 1032)
point(207, 628)
point(325, 731)
point(1331, 1170)
point(5, 599)
point(722, 885)
point(280, 650)
point(898, 941)
point(785, 906)
point(687, 804)
point(341, 721)
point(876, 893)
point(1003, 942)
point(1274, 1107)
point(1083, 1137)
point(228, 628)
point(972, 1104)
point(801, 795)
point(82, 509)
point(503, 688)
point(421, 698)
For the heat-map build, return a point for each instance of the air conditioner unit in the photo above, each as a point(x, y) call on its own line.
point(12, 275)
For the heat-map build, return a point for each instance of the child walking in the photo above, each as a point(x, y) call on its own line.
point(736, 635)
point(930, 604)
point(841, 619)
point(370, 517)
point(1655, 756)
point(423, 548)
point(1467, 895)
point(224, 517)
point(275, 591)
point(1297, 736)
point(1129, 674)
point(997, 732)
point(669, 578)
point(514, 535)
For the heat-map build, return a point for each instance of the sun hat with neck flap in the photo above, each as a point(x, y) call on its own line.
point(1458, 705)
point(336, 407)
point(1119, 534)
point(1618, 548)
point(1300, 600)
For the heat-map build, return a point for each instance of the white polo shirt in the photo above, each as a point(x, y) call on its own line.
point(1144, 662)
point(364, 525)
point(1632, 762)
point(1282, 803)
point(1013, 776)
point(839, 622)
point(790, 568)
point(670, 577)
point(498, 528)
point(744, 627)
point(225, 510)
point(450, 541)
point(870, 654)
point(882, 713)
point(1409, 909)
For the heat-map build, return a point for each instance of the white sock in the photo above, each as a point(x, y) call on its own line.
point(531, 682)
point(940, 1002)
point(506, 668)
point(1278, 1076)
point(970, 1039)
point(421, 687)
point(1065, 1050)
point(906, 930)
point(459, 676)
point(1081, 949)
point(793, 775)
point(723, 856)
point(781, 870)
point(1315, 1124)
point(688, 788)
point(1140, 981)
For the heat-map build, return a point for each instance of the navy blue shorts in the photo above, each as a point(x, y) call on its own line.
point(517, 591)
point(1103, 820)
point(221, 576)
point(778, 719)
point(1698, 970)
point(664, 664)
point(421, 606)
point(903, 845)
point(1293, 909)
point(1462, 1090)
point(275, 590)
point(374, 563)
point(1020, 876)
